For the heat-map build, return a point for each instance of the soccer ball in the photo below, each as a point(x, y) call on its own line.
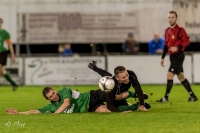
point(106, 83)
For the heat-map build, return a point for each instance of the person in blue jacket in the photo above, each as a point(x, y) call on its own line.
point(156, 45)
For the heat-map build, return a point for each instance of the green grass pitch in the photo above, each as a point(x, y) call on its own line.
point(177, 115)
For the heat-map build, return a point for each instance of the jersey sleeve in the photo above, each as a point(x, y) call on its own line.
point(133, 78)
point(184, 38)
point(7, 36)
point(110, 101)
point(136, 85)
point(165, 50)
point(46, 109)
point(101, 71)
point(67, 93)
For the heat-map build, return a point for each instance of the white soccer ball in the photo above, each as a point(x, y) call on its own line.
point(106, 83)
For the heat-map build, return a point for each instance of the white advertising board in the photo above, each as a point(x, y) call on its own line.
point(196, 68)
point(90, 21)
point(61, 71)
point(15, 70)
point(148, 68)
point(189, 17)
point(95, 21)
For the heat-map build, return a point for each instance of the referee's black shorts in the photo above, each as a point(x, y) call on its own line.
point(3, 58)
point(97, 98)
point(176, 60)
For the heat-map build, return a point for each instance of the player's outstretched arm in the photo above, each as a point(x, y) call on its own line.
point(65, 105)
point(92, 65)
point(14, 111)
point(138, 89)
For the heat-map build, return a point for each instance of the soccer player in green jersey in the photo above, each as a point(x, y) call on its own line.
point(4, 42)
point(70, 101)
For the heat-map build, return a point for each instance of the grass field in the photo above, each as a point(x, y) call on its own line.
point(177, 115)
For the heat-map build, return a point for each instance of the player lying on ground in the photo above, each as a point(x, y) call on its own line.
point(70, 101)
point(123, 80)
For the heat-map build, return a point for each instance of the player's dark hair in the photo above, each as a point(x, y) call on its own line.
point(174, 12)
point(1, 20)
point(46, 90)
point(119, 69)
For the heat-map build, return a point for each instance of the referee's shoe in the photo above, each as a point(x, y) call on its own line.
point(162, 100)
point(192, 99)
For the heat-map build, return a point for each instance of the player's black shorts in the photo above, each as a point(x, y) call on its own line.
point(176, 60)
point(3, 58)
point(97, 98)
point(121, 102)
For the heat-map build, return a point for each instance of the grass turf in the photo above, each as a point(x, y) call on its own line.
point(177, 115)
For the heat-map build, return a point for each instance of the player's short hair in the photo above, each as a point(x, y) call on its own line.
point(1, 20)
point(46, 90)
point(119, 69)
point(174, 12)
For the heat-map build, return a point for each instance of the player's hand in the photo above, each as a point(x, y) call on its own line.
point(159, 51)
point(92, 64)
point(162, 62)
point(12, 111)
point(173, 49)
point(142, 108)
point(13, 59)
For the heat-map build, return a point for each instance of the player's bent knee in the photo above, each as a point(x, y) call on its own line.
point(101, 109)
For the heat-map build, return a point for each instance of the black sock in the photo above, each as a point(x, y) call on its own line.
point(187, 86)
point(168, 88)
point(7, 77)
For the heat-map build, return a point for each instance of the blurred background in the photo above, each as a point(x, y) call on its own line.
point(54, 40)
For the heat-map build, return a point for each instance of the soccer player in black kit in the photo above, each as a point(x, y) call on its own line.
point(123, 80)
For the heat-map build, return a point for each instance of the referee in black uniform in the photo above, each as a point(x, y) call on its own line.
point(176, 39)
